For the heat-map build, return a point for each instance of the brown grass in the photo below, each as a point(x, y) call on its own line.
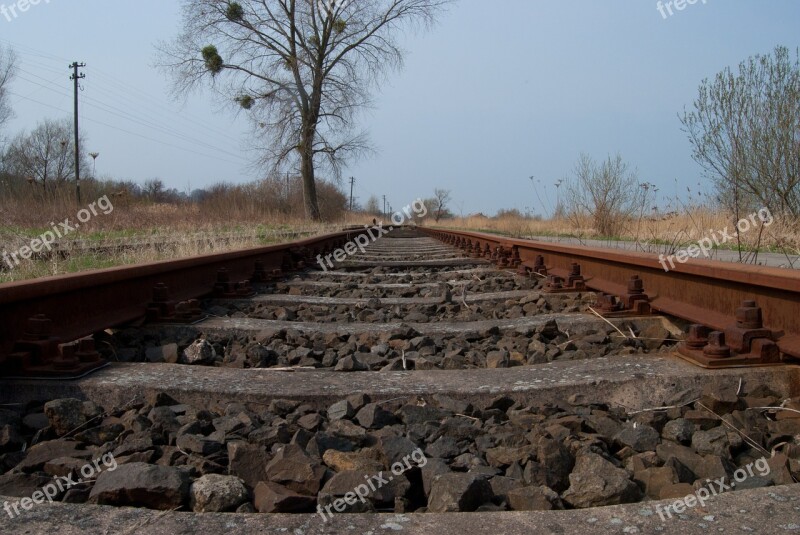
point(135, 233)
point(671, 231)
point(138, 232)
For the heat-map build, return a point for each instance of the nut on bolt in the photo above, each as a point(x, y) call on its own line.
point(749, 316)
point(716, 347)
point(697, 338)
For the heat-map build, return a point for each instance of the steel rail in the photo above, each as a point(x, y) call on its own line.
point(81, 304)
point(700, 291)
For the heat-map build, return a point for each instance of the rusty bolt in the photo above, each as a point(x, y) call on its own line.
point(160, 293)
point(223, 276)
point(86, 351)
point(554, 282)
point(39, 328)
point(608, 303)
point(698, 337)
point(68, 359)
point(748, 316)
point(716, 347)
point(575, 270)
point(635, 285)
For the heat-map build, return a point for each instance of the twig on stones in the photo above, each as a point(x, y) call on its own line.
point(389, 400)
point(747, 439)
point(640, 338)
point(604, 319)
point(104, 415)
point(664, 408)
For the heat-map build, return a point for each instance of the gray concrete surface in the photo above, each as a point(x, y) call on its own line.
point(772, 511)
point(634, 382)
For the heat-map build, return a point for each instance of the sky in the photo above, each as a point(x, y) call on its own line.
point(499, 91)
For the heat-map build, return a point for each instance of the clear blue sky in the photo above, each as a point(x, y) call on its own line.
point(500, 90)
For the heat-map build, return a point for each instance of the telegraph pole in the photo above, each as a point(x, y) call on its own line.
point(77, 76)
point(352, 182)
point(384, 206)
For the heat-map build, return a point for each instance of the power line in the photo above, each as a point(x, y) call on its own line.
point(124, 91)
point(124, 115)
point(160, 142)
point(127, 93)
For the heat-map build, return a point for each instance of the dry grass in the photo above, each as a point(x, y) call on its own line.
point(139, 233)
point(669, 232)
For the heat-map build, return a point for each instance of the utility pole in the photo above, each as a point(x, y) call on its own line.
point(75, 77)
point(384, 206)
point(352, 182)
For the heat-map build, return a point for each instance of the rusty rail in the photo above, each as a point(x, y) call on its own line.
point(741, 315)
point(39, 319)
point(727, 298)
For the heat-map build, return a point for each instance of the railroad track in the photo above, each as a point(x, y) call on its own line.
point(446, 380)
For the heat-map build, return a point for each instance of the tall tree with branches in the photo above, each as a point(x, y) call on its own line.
point(439, 206)
point(302, 68)
point(744, 129)
point(45, 156)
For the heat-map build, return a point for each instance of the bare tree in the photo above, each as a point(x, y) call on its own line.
point(7, 69)
point(303, 69)
point(372, 206)
point(608, 192)
point(46, 156)
point(439, 205)
point(745, 133)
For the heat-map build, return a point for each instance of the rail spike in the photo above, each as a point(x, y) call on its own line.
point(227, 289)
point(163, 310)
point(574, 282)
point(41, 354)
point(745, 343)
point(635, 302)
